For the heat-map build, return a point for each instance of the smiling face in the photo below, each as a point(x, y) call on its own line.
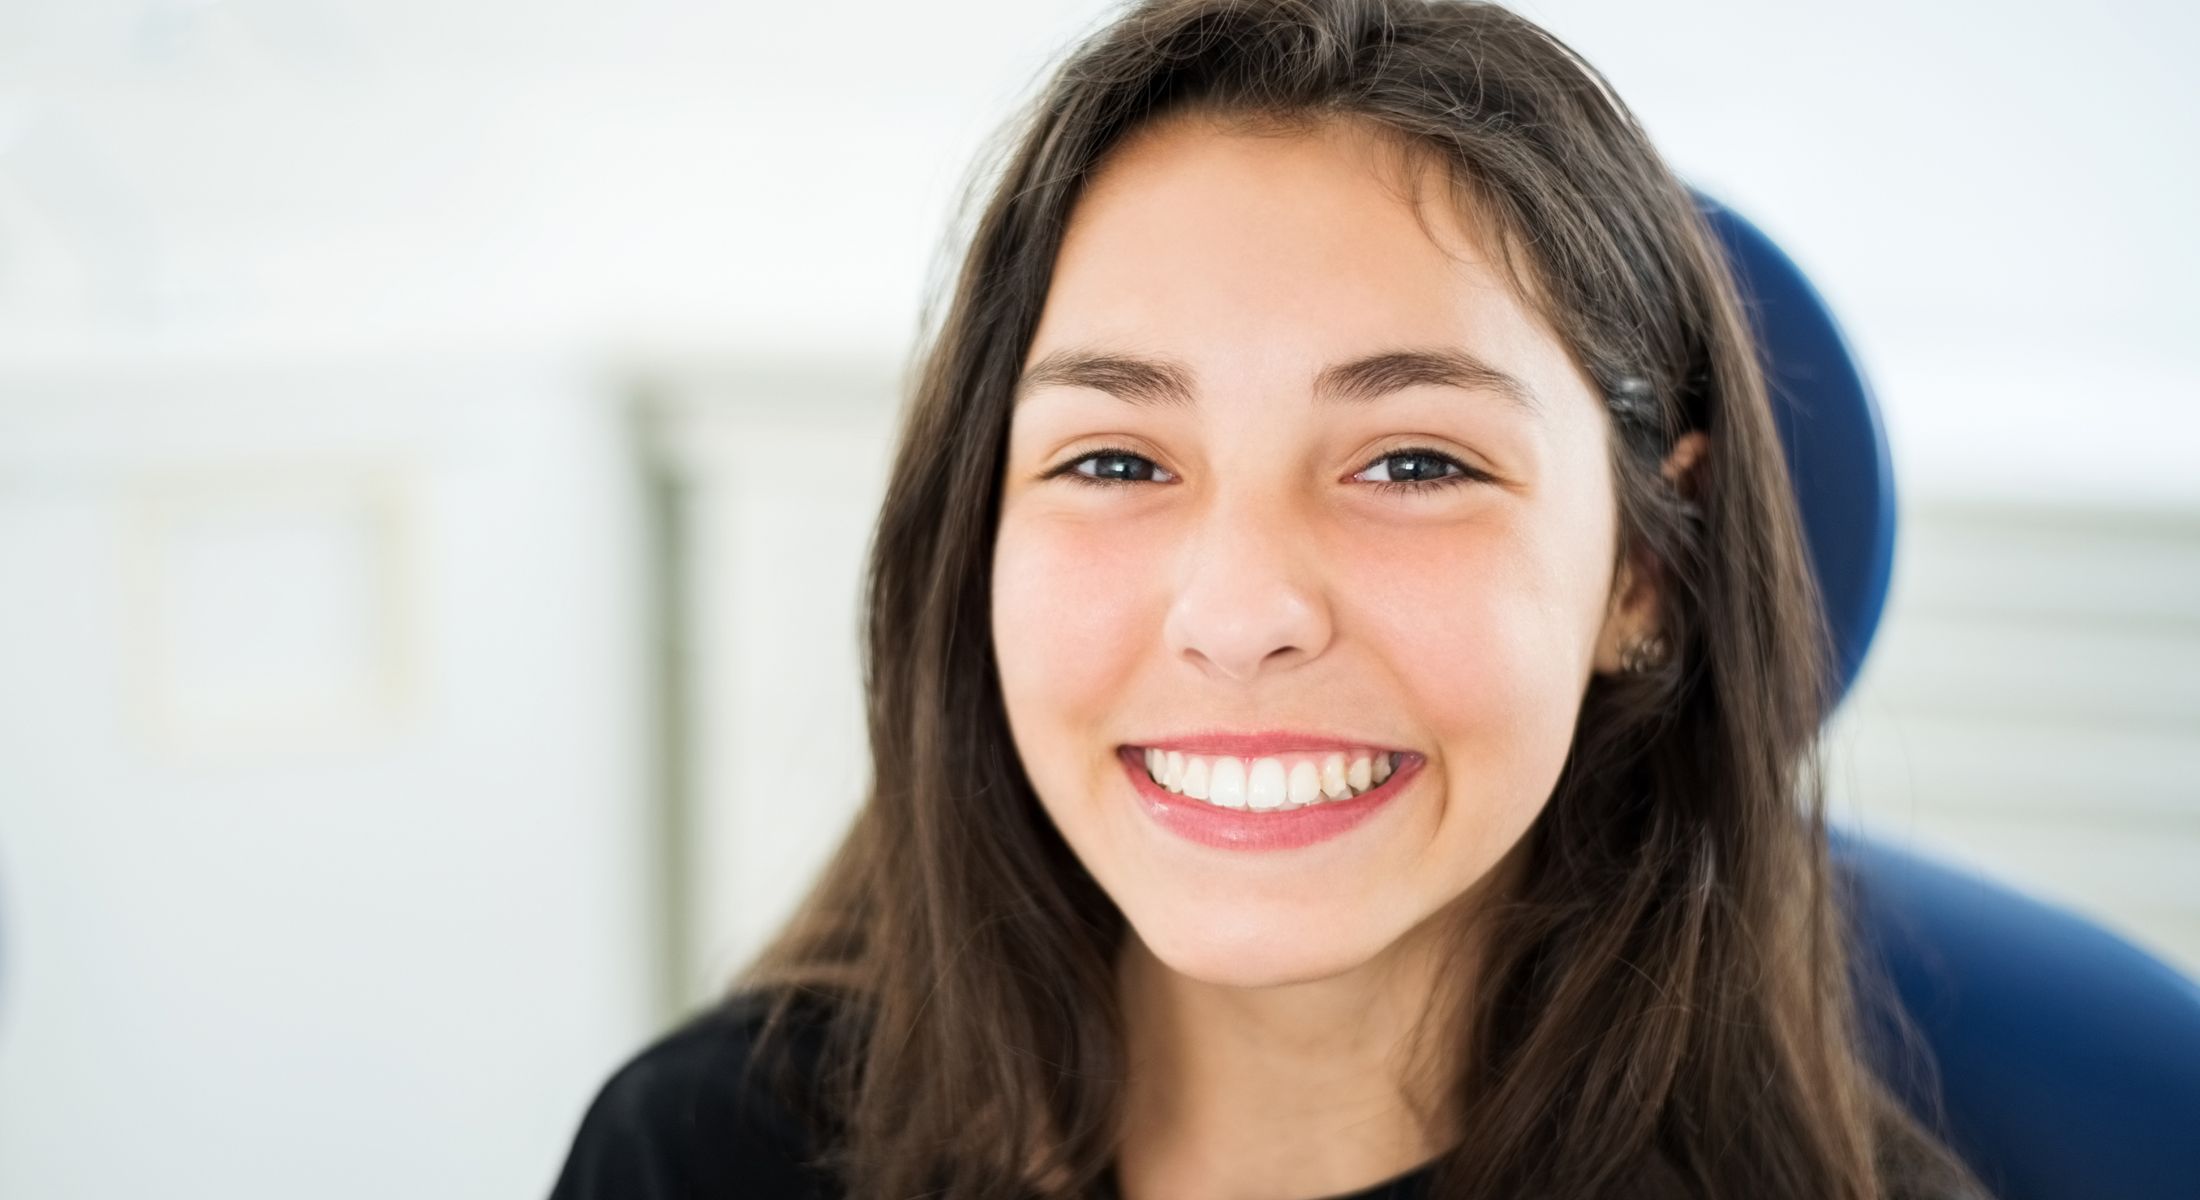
point(1224, 512)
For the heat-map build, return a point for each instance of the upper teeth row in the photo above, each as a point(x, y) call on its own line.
point(1285, 781)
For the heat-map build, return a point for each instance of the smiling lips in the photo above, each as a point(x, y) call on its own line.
point(1274, 802)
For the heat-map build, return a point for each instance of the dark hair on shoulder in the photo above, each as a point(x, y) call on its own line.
point(1668, 1006)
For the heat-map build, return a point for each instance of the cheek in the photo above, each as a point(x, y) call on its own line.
point(1487, 632)
point(1066, 626)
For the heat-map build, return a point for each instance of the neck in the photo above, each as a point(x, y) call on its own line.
point(1309, 1088)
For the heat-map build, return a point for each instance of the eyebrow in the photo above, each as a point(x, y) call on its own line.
point(1167, 383)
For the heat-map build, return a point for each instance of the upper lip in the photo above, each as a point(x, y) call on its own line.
point(1255, 743)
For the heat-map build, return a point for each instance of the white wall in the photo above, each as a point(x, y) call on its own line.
point(322, 796)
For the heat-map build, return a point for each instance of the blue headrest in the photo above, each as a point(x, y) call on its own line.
point(2066, 1060)
point(1836, 445)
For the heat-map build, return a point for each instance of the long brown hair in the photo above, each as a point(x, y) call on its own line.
point(1666, 1004)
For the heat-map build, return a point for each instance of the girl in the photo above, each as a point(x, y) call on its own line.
point(1343, 677)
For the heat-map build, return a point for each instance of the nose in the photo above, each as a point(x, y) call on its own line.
point(1250, 595)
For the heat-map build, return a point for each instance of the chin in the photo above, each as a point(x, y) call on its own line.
point(1252, 953)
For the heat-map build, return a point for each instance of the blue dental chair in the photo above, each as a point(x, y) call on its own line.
point(2066, 1060)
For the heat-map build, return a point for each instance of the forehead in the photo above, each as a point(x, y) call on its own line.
point(1271, 246)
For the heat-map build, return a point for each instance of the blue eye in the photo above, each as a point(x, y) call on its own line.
point(1427, 471)
point(1116, 459)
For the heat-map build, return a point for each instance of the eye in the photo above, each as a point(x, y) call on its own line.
point(1114, 464)
point(1424, 472)
point(1117, 467)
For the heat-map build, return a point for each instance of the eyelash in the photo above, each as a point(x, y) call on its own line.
point(1466, 474)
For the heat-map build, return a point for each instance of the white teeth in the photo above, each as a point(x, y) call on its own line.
point(1265, 784)
point(1334, 785)
point(1270, 783)
point(1194, 779)
point(1226, 783)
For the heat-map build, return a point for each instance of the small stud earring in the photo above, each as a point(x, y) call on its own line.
point(1641, 654)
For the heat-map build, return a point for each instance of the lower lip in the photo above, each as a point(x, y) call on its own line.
point(1265, 829)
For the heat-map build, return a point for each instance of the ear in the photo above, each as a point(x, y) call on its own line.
point(1632, 612)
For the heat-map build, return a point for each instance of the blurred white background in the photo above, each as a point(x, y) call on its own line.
point(437, 442)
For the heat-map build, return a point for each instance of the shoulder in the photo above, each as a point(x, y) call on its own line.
point(698, 1113)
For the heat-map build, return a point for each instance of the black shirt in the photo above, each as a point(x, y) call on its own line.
point(674, 1123)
